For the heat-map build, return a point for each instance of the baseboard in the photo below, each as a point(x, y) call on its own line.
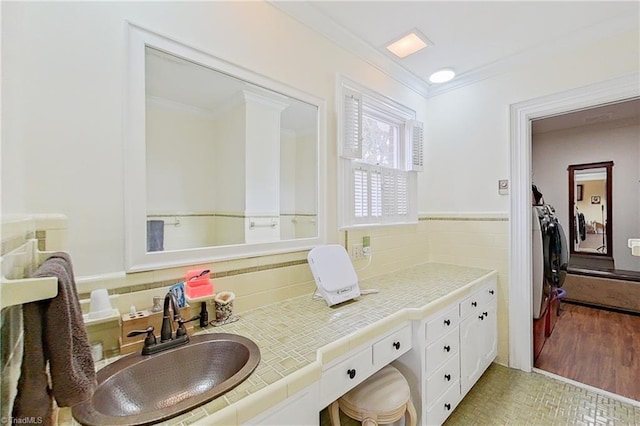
point(604, 308)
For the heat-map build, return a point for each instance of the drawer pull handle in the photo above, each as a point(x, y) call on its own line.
point(352, 373)
point(474, 304)
point(447, 348)
point(481, 317)
point(447, 322)
point(447, 406)
point(491, 291)
point(448, 377)
point(396, 345)
point(486, 314)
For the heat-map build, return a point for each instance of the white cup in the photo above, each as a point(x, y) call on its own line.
point(100, 304)
point(96, 351)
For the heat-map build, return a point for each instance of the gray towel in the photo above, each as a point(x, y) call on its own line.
point(54, 332)
point(155, 235)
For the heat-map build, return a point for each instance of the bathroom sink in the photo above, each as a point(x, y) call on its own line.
point(139, 390)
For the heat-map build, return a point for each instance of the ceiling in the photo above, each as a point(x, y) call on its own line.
point(477, 39)
point(621, 113)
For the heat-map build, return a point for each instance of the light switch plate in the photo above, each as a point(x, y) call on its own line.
point(503, 187)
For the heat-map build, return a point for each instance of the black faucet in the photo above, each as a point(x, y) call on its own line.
point(167, 340)
point(167, 329)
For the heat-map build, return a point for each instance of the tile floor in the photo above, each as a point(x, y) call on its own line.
point(505, 396)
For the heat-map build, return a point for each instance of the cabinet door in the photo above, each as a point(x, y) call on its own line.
point(490, 334)
point(471, 347)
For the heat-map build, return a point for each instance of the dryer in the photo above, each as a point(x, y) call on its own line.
point(549, 256)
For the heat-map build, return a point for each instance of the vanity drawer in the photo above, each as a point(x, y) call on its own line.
point(444, 406)
point(439, 352)
point(391, 347)
point(342, 377)
point(443, 323)
point(473, 303)
point(440, 381)
point(491, 291)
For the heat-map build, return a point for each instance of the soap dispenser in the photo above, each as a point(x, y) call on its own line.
point(204, 315)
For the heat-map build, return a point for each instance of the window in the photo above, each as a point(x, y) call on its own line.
point(380, 153)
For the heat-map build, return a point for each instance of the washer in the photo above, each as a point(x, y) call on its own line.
point(549, 256)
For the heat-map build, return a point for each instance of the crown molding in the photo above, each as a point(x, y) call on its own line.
point(575, 40)
point(310, 16)
point(171, 105)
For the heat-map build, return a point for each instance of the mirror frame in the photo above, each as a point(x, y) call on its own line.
point(608, 165)
point(137, 258)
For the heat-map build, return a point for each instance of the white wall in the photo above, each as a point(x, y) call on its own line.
point(553, 152)
point(228, 162)
point(180, 152)
point(62, 111)
point(467, 130)
point(467, 151)
point(63, 115)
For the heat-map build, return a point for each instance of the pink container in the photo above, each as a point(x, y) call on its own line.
point(198, 284)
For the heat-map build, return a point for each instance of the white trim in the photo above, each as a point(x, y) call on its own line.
point(170, 105)
point(391, 106)
point(265, 100)
point(310, 16)
point(589, 388)
point(387, 110)
point(464, 215)
point(383, 60)
point(520, 269)
point(134, 112)
point(574, 40)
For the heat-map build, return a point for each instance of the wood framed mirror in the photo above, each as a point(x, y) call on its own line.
point(590, 209)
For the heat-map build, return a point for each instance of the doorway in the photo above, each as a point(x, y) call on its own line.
point(520, 282)
point(595, 330)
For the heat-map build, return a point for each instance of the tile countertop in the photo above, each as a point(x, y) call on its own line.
point(298, 336)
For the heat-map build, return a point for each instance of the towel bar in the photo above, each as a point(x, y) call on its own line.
point(20, 290)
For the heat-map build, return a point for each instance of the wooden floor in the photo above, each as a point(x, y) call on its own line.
point(596, 347)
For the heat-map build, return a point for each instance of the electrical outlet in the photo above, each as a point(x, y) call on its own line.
point(366, 245)
point(357, 252)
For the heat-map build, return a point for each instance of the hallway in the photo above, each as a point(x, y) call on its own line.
point(596, 347)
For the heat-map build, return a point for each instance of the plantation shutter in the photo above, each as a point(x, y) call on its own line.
point(416, 142)
point(376, 193)
point(402, 194)
point(352, 125)
point(360, 192)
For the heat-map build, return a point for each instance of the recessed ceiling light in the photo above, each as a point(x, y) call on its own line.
point(407, 45)
point(442, 75)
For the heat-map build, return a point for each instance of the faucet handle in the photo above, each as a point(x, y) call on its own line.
point(149, 340)
point(181, 331)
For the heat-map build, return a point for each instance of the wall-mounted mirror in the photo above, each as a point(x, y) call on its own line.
point(590, 202)
point(222, 163)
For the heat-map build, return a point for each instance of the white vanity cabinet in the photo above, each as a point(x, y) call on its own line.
point(451, 350)
point(432, 368)
point(343, 374)
point(478, 334)
point(300, 409)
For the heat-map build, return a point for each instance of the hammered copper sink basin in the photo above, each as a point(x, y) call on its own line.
point(139, 390)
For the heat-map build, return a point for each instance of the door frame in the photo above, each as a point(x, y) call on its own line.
point(520, 269)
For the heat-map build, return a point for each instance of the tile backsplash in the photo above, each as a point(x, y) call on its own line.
point(14, 235)
point(50, 233)
point(468, 240)
point(477, 240)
